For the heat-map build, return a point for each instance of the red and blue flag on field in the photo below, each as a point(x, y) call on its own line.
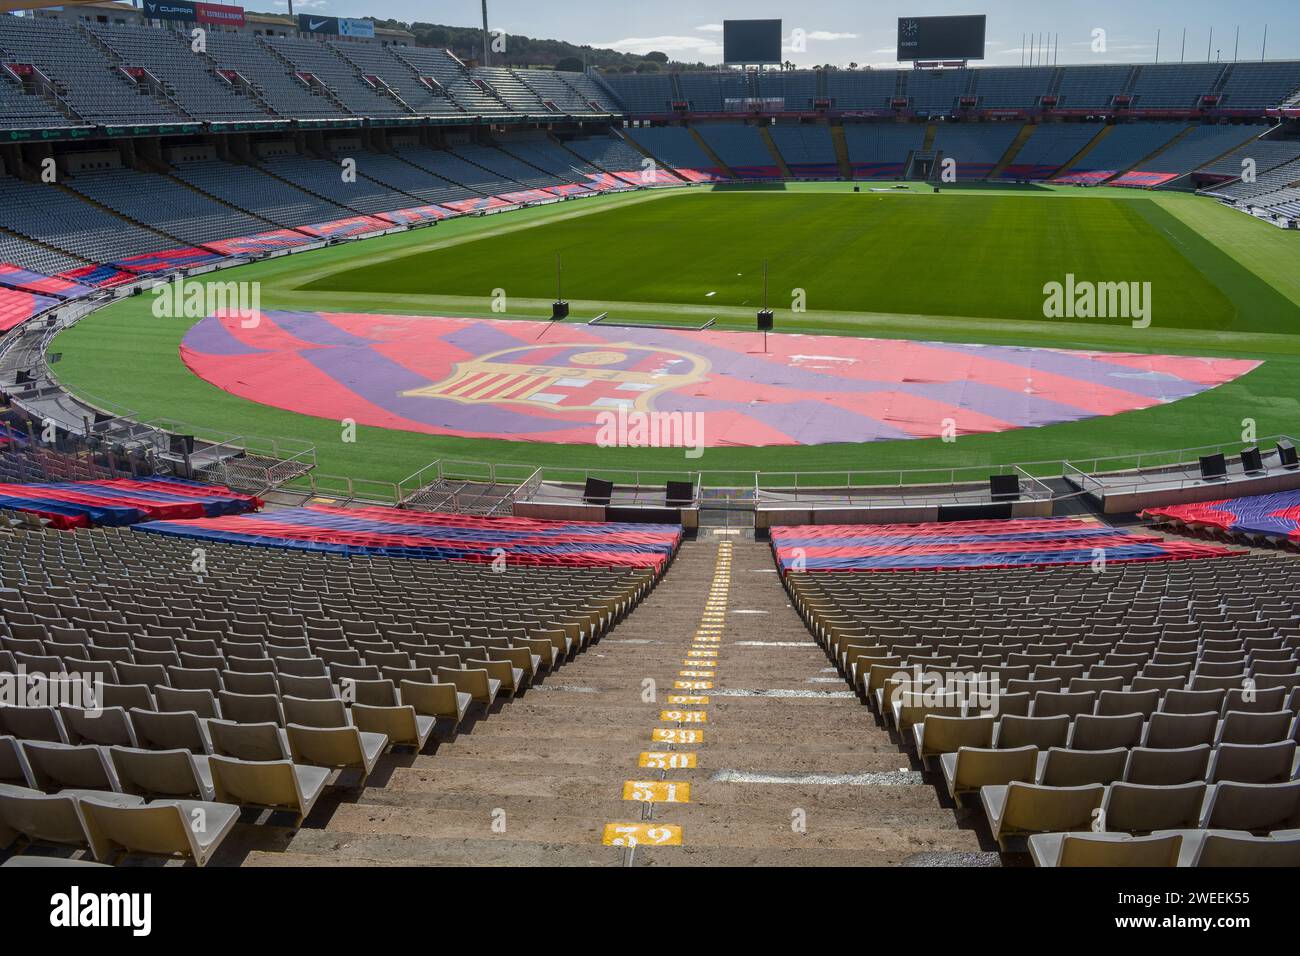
point(1270, 516)
point(483, 378)
point(1026, 542)
point(388, 532)
point(123, 501)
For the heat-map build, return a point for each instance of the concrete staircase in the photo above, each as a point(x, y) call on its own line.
point(777, 158)
point(791, 769)
point(842, 152)
point(1017, 144)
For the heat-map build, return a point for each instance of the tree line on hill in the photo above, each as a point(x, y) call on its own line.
point(525, 51)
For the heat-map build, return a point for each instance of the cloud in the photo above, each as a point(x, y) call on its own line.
point(710, 28)
point(826, 35)
point(701, 46)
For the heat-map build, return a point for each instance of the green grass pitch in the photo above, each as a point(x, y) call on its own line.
point(966, 265)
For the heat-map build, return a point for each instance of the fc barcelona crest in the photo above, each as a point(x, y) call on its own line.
point(570, 377)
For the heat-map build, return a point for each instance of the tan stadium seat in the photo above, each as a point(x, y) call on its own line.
point(1240, 727)
point(1105, 733)
point(418, 675)
point(337, 748)
point(172, 700)
point(511, 678)
point(1255, 701)
point(265, 741)
point(372, 693)
point(970, 768)
point(53, 818)
point(1192, 701)
point(315, 713)
point(308, 688)
point(1167, 731)
point(481, 688)
point(58, 767)
point(127, 696)
point(521, 658)
point(44, 862)
point(158, 731)
point(251, 708)
point(433, 661)
point(443, 701)
point(1157, 767)
point(542, 649)
point(299, 665)
point(162, 773)
point(13, 765)
point(1104, 850)
point(268, 785)
point(940, 734)
point(1255, 807)
point(1048, 704)
point(189, 829)
point(400, 724)
point(33, 723)
point(110, 726)
point(1137, 808)
point(1229, 848)
point(1060, 767)
point(1019, 809)
point(1253, 763)
point(1041, 732)
point(1119, 703)
point(237, 682)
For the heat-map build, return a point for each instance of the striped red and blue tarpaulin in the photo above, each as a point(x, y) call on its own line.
point(388, 532)
point(477, 204)
point(168, 260)
point(259, 242)
point(416, 214)
point(16, 307)
point(1273, 516)
point(11, 436)
point(1027, 542)
point(16, 277)
point(123, 501)
point(100, 276)
point(344, 228)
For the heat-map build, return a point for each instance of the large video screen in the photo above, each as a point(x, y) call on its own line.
point(751, 41)
point(941, 38)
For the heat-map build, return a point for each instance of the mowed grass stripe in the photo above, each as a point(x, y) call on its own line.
point(126, 359)
point(982, 256)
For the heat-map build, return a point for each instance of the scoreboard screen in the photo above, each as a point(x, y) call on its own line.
point(941, 38)
point(755, 42)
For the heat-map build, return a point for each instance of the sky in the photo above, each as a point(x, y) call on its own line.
point(864, 31)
